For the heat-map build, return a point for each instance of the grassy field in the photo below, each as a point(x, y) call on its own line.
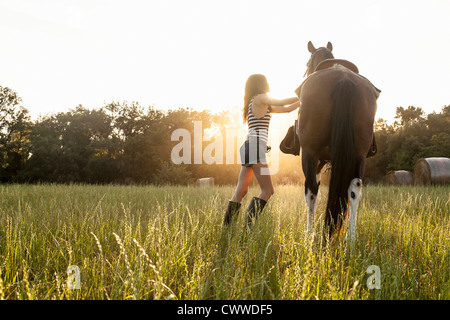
point(133, 242)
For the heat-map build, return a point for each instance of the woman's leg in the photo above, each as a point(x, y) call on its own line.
point(261, 171)
point(245, 177)
point(257, 204)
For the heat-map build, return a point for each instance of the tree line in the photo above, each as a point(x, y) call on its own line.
point(125, 143)
point(412, 136)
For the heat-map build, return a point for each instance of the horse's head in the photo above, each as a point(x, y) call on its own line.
point(317, 56)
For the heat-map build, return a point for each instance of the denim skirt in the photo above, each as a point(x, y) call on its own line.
point(252, 151)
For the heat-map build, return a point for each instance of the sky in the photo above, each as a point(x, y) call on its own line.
point(170, 54)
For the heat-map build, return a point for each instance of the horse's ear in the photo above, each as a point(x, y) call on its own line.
point(329, 46)
point(311, 47)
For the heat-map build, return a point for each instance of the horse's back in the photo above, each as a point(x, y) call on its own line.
point(317, 106)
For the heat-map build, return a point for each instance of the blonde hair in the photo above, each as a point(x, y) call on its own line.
point(256, 84)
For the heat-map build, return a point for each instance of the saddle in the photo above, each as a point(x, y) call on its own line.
point(291, 144)
point(329, 63)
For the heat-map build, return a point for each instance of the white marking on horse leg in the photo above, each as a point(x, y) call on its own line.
point(318, 175)
point(310, 202)
point(354, 196)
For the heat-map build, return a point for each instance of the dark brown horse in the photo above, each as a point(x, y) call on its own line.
point(335, 125)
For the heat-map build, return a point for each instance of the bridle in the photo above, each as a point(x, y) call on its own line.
point(327, 53)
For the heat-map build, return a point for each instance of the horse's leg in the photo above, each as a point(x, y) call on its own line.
point(354, 196)
point(309, 164)
point(319, 169)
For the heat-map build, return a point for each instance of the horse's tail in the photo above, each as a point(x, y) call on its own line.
point(342, 149)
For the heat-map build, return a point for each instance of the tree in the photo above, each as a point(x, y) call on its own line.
point(14, 132)
point(409, 115)
point(139, 136)
point(64, 145)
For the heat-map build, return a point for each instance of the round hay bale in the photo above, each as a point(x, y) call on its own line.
point(399, 178)
point(432, 171)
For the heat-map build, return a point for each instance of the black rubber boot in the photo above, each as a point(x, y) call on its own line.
point(232, 210)
point(254, 209)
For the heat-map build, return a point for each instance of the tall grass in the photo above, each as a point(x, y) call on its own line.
point(133, 242)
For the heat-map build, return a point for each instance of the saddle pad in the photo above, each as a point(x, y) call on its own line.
point(328, 63)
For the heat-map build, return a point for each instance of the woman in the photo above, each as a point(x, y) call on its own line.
point(258, 107)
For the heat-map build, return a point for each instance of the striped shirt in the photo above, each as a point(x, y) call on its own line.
point(258, 127)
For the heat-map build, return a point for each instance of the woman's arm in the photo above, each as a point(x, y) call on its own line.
point(262, 101)
point(265, 99)
point(284, 109)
